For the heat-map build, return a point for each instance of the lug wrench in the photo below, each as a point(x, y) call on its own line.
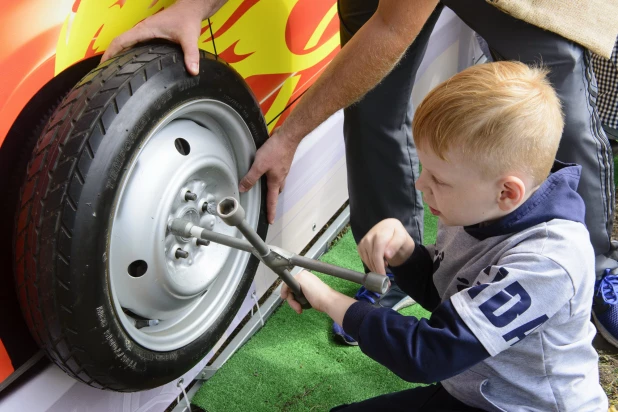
point(279, 260)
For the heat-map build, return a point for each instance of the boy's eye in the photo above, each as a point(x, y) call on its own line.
point(436, 180)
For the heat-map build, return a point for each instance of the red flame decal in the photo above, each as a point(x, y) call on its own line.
point(118, 3)
point(307, 77)
point(304, 18)
point(230, 55)
point(91, 51)
point(76, 6)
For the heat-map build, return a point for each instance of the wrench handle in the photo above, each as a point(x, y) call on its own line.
point(294, 286)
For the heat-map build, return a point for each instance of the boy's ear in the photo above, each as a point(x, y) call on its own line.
point(512, 193)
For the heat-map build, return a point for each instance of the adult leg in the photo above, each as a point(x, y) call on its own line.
point(432, 398)
point(381, 157)
point(583, 141)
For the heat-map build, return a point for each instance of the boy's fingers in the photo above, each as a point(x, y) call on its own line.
point(395, 243)
point(294, 305)
point(377, 255)
point(284, 291)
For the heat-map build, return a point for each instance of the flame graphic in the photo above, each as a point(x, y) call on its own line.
point(278, 46)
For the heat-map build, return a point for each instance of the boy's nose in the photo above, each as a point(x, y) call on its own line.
point(420, 183)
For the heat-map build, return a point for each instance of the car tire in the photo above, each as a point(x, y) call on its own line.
point(139, 327)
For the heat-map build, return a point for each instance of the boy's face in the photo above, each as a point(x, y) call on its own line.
point(456, 191)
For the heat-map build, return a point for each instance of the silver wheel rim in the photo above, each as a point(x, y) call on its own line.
point(168, 291)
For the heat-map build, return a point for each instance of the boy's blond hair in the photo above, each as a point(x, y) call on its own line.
point(504, 116)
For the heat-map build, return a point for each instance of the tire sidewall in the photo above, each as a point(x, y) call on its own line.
point(136, 366)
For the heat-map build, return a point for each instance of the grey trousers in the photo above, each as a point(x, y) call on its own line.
point(380, 153)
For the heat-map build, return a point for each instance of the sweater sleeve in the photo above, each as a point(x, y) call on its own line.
point(416, 350)
point(415, 277)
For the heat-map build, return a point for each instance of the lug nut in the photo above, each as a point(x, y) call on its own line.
point(189, 196)
point(202, 242)
point(209, 207)
point(181, 254)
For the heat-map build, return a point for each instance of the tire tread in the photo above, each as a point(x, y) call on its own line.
point(55, 168)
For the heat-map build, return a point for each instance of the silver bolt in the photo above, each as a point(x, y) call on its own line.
point(181, 254)
point(209, 207)
point(144, 323)
point(190, 196)
point(202, 242)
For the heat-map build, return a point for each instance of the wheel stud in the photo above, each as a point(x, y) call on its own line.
point(209, 207)
point(202, 242)
point(189, 196)
point(181, 254)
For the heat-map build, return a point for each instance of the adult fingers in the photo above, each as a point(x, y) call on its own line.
point(272, 196)
point(126, 40)
point(191, 52)
point(251, 178)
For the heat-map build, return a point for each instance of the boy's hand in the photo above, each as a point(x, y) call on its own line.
point(387, 241)
point(320, 295)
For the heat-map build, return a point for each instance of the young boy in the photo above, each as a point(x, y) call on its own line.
point(510, 279)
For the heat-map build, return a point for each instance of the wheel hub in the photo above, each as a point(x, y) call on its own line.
point(187, 164)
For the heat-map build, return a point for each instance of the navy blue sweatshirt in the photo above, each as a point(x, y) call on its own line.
point(434, 349)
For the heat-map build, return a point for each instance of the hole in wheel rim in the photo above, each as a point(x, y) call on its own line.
point(182, 146)
point(137, 268)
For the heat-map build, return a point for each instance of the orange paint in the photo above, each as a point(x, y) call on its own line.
point(118, 3)
point(304, 18)
point(80, 29)
point(6, 367)
point(91, 51)
point(24, 73)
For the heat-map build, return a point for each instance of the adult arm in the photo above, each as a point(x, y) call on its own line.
point(365, 60)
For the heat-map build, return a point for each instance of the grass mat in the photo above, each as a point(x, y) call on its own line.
point(293, 364)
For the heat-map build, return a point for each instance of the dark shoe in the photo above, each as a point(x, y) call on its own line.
point(394, 299)
point(605, 306)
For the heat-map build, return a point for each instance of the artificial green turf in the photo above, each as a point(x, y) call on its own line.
point(293, 364)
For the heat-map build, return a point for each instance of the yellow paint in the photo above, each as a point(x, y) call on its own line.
point(282, 99)
point(80, 28)
point(260, 31)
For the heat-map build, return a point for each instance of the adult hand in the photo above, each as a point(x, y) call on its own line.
point(388, 240)
point(180, 23)
point(274, 159)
